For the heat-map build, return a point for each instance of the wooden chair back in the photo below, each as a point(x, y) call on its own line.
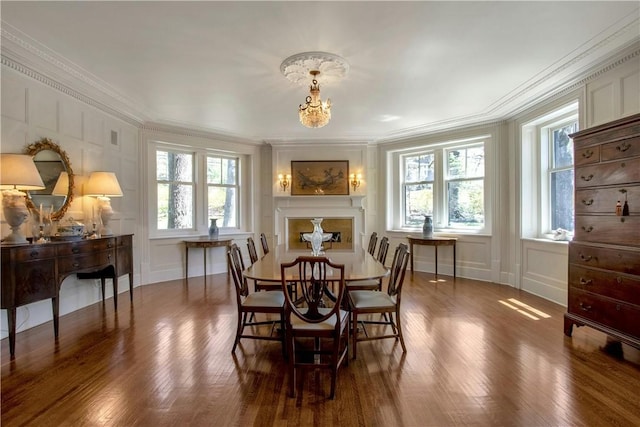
point(383, 249)
point(373, 240)
point(265, 244)
point(253, 253)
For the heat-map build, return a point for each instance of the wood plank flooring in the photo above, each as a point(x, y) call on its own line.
point(479, 354)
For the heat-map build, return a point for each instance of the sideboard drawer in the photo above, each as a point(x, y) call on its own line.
point(605, 311)
point(85, 246)
point(97, 260)
point(34, 252)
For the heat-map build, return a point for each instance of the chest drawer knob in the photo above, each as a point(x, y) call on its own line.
point(587, 154)
point(623, 147)
point(586, 258)
point(75, 250)
point(585, 307)
point(586, 178)
point(587, 202)
point(33, 254)
point(588, 229)
point(584, 281)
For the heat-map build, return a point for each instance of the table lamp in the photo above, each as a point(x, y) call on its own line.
point(103, 185)
point(17, 172)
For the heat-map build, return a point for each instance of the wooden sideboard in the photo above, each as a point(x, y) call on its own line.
point(604, 256)
point(35, 272)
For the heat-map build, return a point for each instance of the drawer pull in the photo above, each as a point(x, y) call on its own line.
point(75, 250)
point(586, 178)
point(623, 147)
point(587, 202)
point(585, 307)
point(33, 254)
point(76, 265)
point(586, 258)
point(587, 154)
point(588, 229)
point(585, 282)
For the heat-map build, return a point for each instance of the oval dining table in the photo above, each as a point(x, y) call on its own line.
point(358, 264)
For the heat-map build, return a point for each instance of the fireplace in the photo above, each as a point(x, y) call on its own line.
point(343, 216)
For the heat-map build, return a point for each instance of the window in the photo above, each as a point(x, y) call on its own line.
point(418, 188)
point(547, 182)
point(465, 187)
point(222, 190)
point(560, 175)
point(175, 189)
point(446, 183)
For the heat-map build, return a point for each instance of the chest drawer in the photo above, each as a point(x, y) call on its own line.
point(78, 263)
point(607, 283)
point(587, 155)
point(625, 260)
point(603, 200)
point(629, 147)
point(86, 246)
point(621, 230)
point(605, 311)
point(613, 173)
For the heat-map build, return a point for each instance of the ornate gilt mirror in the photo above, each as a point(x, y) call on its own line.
point(53, 164)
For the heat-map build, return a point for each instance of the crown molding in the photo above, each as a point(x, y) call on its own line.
point(176, 129)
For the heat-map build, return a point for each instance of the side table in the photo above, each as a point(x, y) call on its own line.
point(203, 243)
point(435, 242)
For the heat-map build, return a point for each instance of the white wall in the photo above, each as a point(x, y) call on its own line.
point(32, 110)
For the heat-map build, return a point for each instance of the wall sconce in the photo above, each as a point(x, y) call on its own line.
point(355, 180)
point(284, 181)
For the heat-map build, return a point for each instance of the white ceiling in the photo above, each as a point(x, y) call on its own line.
point(414, 66)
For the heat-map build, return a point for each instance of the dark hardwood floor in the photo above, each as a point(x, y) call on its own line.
point(479, 354)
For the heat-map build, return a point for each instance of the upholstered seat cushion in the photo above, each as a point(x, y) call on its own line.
point(371, 299)
point(264, 299)
point(369, 283)
point(330, 323)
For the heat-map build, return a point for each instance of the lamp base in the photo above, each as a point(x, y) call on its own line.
point(15, 238)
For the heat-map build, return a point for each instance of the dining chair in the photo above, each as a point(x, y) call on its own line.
point(251, 303)
point(366, 302)
point(265, 244)
point(372, 243)
point(253, 253)
point(372, 284)
point(316, 331)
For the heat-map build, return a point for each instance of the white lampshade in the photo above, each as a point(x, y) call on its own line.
point(62, 185)
point(102, 184)
point(17, 171)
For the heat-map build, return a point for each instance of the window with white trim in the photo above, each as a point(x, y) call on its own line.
point(446, 183)
point(175, 189)
point(222, 190)
point(560, 175)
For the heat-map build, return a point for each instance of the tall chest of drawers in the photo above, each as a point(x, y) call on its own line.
point(604, 256)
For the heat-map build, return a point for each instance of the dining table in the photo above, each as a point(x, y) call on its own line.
point(358, 264)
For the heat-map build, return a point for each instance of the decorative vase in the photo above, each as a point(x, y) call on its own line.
point(316, 236)
point(213, 229)
point(427, 227)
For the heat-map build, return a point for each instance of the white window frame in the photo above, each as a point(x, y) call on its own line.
point(193, 184)
point(200, 193)
point(236, 186)
point(440, 202)
point(535, 160)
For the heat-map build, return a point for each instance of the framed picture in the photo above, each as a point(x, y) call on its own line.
point(319, 177)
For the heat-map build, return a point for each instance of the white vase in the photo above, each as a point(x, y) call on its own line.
point(213, 229)
point(316, 237)
point(427, 227)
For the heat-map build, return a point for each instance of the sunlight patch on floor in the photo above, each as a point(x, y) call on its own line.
point(513, 307)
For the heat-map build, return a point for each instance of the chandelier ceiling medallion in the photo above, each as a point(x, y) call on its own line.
point(297, 68)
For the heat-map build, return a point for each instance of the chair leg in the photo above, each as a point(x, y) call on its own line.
point(354, 331)
point(292, 367)
point(241, 322)
point(404, 348)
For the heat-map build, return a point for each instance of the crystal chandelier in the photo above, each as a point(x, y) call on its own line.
point(314, 113)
